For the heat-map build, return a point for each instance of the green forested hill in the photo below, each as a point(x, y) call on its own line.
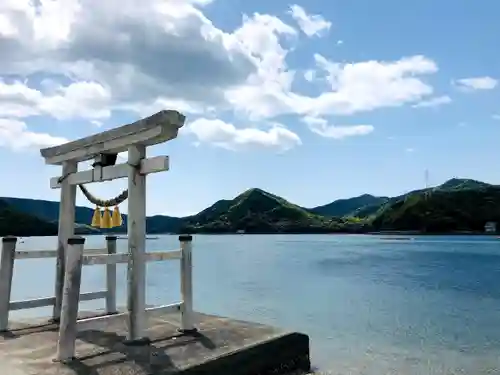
point(441, 210)
point(368, 205)
point(49, 211)
point(15, 223)
point(257, 211)
point(456, 205)
point(350, 206)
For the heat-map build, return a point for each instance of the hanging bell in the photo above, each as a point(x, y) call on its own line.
point(106, 219)
point(116, 219)
point(96, 218)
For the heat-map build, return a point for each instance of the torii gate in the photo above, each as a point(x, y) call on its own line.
point(103, 147)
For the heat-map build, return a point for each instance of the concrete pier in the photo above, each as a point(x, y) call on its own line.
point(220, 346)
point(166, 339)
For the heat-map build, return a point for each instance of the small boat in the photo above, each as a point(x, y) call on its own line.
point(398, 238)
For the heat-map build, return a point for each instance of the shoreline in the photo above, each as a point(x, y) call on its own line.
point(155, 236)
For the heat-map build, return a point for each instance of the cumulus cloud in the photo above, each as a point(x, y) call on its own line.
point(476, 83)
point(310, 24)
point(15, 135)
point(368, 85)
point(353, 87)
point(79, 99)
point(143, 56)
point(321, 127)
point(142, 49)
point(226, 135)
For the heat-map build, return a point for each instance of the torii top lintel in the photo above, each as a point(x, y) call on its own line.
point(158, 128)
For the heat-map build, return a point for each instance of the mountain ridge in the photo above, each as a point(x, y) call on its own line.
point(365, 210)
point(347, 206)
point(15, 223)
point(258, 211)
point(442, 211)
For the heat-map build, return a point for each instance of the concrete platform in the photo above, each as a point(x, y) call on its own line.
point(222, 346)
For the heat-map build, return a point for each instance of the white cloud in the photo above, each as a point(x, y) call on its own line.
point(140, 49)
point(7, 29)
point(410, 150)
point(310, 24)
point(476, 83)
point(143, 56)
point(320, 126)
point(433, 102)
point(223, 134)
point(370, 85)
point(495, 117)
point(183, 106)
point(14, 134)
point(79, 99)
point(354, 87)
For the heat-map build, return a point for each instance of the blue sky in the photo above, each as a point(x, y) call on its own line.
point(312, 101)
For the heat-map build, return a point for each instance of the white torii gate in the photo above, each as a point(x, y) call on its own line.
point(134, 138)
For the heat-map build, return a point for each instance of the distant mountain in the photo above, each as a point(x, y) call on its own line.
point(367, 205)
point(458, 204)
point(160, 224)
point(449, 209)
point(454, 184)
point(462, 184)
point(16, 223)
point(257, 211)
point(349, 206)
point(49, 211)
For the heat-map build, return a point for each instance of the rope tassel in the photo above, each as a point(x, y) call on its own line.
point(116, 219)
point(106, 219)
point(96, 218)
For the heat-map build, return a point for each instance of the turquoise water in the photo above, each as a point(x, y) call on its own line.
point(370, 305)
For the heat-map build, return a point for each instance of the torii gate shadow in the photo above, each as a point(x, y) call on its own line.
point(150, 358)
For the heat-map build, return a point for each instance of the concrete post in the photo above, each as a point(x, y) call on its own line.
point(6, 274)
point(187, 315)
point(66, 231)
point(111, 277)
point(71, 299)
point(136, 230)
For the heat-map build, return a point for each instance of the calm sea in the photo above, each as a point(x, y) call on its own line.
point(370, 305)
